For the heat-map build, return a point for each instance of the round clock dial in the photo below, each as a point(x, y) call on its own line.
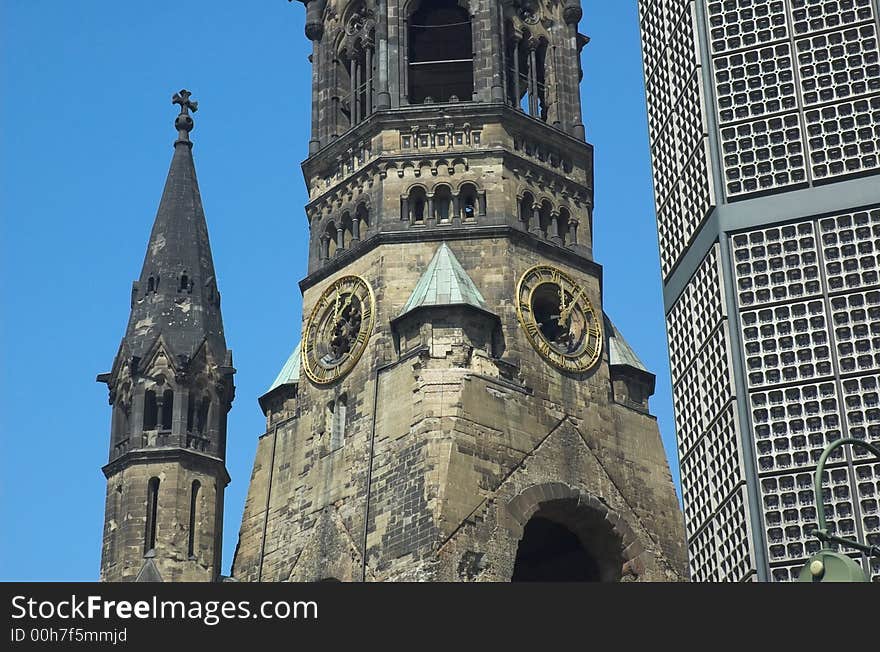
point(558, 318)
point(338, 329)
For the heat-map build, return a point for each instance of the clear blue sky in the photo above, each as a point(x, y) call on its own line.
point(86, 143)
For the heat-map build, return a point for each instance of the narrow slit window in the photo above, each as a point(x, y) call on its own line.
point(193, 508)
point(151, 410)
point(152, 515)
point(167, 409)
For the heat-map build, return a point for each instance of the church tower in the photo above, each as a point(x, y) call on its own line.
point(459, 407)
point(170, 390)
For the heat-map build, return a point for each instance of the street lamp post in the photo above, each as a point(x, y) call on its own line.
point(828, 565)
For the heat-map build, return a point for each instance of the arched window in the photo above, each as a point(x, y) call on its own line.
point(545, 219)
point(184, 283)
point(167, 409)
point(443, 204)
point(562, 226)
point(331, 240)
point(347, 230)
point(337, 428)
point(526, 208)
point(467, 199)
point(357, 102)
point(361, 221)
point(417, 205)
point(152, 514)
point(193, 507)
point(342, 113)
point(440, 49)
point(527, 76)
point(202, 416)
point(151, 410)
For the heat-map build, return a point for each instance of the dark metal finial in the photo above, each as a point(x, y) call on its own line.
point(184, 122)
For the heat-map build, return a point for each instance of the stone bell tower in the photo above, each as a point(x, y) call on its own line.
point(170, 388)
point(459, 406)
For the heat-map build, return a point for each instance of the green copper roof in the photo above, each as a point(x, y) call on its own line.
point(619, 351)
point(289, 373)
point(444, 283)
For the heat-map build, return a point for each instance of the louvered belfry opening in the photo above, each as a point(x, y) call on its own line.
point(441, 57)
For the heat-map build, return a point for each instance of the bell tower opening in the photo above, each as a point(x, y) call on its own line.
point(441, 53)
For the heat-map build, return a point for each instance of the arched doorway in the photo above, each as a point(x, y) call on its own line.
point(569, 538)
point(550, 552)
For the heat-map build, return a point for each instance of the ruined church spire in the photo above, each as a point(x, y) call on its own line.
point(176, 296)
point(170, 389)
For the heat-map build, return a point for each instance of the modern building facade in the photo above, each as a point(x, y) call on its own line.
point(764, 121)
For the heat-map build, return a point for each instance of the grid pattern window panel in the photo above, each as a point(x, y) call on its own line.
point(664, 158)
point(658, 93)
point(740, 24)
point(776, 264)
point(793, 425)
point(790, 516)
point(698, 495)
point(809, 16)
point(668, 230)
point(688, 417)
point(763, 155)
point(786, 573)
point(838, 65)
point(703, 553)
point(682, 56)
point(683, 187)
point(868, 496)
point(856, 319)
point(844, 138)
point(652, 21)
point(722, 447)
point(695, 189)
point(851, 247)
point(695, 314)
point(755, 83)
point(711, 470)
point(861, 397)
point(689, 123)
point(786, 343)
point(703, 391)
point(715, 382)
point(732, 531)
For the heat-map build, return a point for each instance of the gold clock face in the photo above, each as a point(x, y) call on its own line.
point(338, 329)
point(559, 319)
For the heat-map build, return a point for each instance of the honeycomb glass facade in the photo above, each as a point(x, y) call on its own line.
point(764, 123)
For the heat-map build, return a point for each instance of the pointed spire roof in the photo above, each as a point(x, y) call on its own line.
point(289, 374)
point(444, 283)
point(176, 296)
point(619, 350)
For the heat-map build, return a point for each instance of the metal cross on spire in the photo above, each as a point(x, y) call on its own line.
point(186, 105)
point(184, 122)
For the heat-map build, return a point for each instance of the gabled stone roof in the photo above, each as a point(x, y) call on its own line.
point(444, 283)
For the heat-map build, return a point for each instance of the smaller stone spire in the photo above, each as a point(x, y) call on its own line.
point(184, 122)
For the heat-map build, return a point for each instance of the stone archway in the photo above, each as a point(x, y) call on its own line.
point(566, 534)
